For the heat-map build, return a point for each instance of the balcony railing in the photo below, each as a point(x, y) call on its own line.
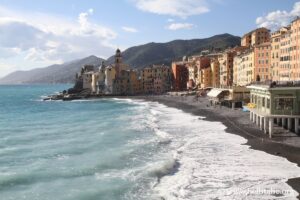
point(274, 84)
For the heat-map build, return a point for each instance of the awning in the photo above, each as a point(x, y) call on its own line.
point(214, 93)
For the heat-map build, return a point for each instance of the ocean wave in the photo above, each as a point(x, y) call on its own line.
point(162, 168)
point(214, 163)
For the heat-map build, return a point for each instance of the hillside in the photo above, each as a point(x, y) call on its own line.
point(137, 57)
point(165, 53)
point(64, 73)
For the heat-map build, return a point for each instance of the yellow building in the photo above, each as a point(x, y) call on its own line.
point(205, 77)
point(98, 80)
point(119, 65)
point(156, 79)
point(285, 57)
point(110, 76)
point(193, 75)
point(295, 50)
point(236, 64)
point(226, 68)
point(215, 72)
point(275, 52)
point(244, 68)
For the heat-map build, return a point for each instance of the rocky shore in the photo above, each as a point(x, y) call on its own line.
point(283, 144)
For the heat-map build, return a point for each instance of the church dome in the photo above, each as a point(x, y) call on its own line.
point(118, 51)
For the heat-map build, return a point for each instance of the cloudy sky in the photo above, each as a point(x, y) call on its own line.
point(37, 33)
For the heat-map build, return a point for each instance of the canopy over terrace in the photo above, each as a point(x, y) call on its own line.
point(217, 95)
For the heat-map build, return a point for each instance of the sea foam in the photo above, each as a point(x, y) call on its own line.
point(214, 164)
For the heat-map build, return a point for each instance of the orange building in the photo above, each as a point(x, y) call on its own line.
point(285, 58)
point(275, 52)
point(295, 50)
point(256, 37)
point(215, 72)
point(226, 68)
point(262, 64)
point(180, 75)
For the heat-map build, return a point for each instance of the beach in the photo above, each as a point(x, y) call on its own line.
point(238, 122)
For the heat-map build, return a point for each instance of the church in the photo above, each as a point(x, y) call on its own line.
point(114, 79)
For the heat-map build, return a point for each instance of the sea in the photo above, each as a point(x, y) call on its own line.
point(126, 149)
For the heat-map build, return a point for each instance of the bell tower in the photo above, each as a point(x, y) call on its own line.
point(118, 57)
point(118, 62)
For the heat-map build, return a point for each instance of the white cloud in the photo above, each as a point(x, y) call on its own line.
point(170, 20)
point(129, 29)
point(91, 11)
point(279, 18)
point(49, 39)
point(177, 8)
point(177, 26)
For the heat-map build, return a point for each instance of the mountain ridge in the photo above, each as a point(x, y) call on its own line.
point(137, 57)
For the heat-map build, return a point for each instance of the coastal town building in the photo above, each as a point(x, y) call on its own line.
point(126, 83)
point(110, 76)
point(233, 97)
point(276, 52)
point(285, 52)
point(285, 57)
point(180, 75)
point(226, 68)
point(98, 80)
point(215, 72)
point(275, 103)
point(262, 64)
point(193, 75)
point(119, 65)
point(156, 79)
point(205, 76)
point(256, 37)
point(86, 76)
point(204, 72)
point(295, 50)
point(244, 68)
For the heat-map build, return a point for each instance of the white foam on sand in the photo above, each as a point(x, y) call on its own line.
point(213, 164)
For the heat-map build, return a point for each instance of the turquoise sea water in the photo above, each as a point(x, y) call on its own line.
point(68, 150)
point(123, 149)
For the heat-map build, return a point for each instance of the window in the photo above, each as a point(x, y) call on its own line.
point(263, 102)
point(284, 103)
point(268, 103)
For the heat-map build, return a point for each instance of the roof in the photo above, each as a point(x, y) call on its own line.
point(215, 92)
point(261, 28)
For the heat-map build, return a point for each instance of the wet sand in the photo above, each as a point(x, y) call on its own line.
point(238, 122)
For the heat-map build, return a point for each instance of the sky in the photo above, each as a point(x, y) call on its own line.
point(38, 33)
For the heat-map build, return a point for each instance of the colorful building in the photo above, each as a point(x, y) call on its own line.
point(215, 72)
point(276, 52)
point(193, 75)
point(156, 79)
point(244, 68)
point(180, 75)
point(262, 62)
point(226, 68)
point(285, 57)
point(255, 37)
point(295, 50)
point(204, 71)
point(110, 76)
point(275, 103)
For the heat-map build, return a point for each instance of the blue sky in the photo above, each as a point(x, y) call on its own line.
point(35, 33)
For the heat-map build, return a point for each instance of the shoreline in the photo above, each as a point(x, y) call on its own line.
point(238, 123)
